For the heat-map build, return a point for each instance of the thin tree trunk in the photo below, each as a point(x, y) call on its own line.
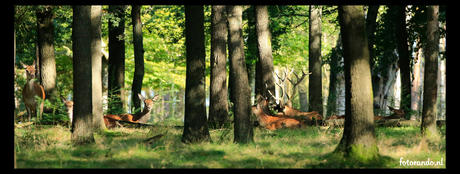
point(404, 59)
point(429, 111)
point(96, 23)
point(82, 127)
point(196, 124)
point(314, 63)
point(264, 65)
point(370, 27)
point(47, 62)
point(333, 96)
point(117, 61)
point(241, 94)
point(218, 106)
point(138, 57)
point(358, 141)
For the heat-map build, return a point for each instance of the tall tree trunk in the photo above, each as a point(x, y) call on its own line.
point(404, 59)
point(47, 62)
point(370, 27)
point(314, 63)
point(264, 65)
point(117, 61)
point(218, 106)
point(358, 139)
point(195, 124)
point(138, 57)
point(240, 89)
point(430, 88)
point(96, 66)
point(333, 96)
point(82, 127)
point(416, 83)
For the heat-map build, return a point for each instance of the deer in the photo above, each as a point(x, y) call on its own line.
point(285, 108)
point(397, 114)
point(30, 90)
point(111, 121)
point(68, 107)
point(272, 122)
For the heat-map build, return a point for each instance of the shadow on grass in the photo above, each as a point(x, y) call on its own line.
point(335, 161)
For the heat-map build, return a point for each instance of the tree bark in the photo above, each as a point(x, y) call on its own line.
point(430, 89)
point(96, 66)
point(370, 27)
point(239, 86)
point(264, 65)
point(138, 58)
point(218, 106)
point(404, 59)
point(195, 124)
point(82, 132)
point(333, 96)
point(314, 63)
point(117, 61)
point(47, 62)
point(358, 139)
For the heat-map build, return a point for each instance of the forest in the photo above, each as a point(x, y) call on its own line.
point(128, 86)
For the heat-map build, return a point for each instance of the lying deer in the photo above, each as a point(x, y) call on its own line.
point(68, 107)
point(285, 108)
point(273, 123)
point(397, 114)
point(30, 90)
point(111, 121)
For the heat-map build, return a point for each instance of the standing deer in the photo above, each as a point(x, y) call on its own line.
point(285, 108)
point(272, 122)
point(68, 107)
point(111, 121)
point(30, 90)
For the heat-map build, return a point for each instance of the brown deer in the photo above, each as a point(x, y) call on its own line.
point(285, 108)
point(111, 121)
point(68, 107)
point(397, 114)
point(272, 122)
point(30, 90)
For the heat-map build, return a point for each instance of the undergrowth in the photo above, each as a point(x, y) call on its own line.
point(46, 146)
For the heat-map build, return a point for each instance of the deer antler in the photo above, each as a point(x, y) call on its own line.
point(295, 85)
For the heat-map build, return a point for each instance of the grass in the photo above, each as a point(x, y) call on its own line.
point(49, 147)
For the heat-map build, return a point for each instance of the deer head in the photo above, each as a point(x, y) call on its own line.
point(30, 70)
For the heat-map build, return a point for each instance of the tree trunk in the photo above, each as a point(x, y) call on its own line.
point(370, 27)
point(358, 139)
point(314, 63)
point(264, 65)
point(82, 132)
point(47, 62)
point(138, 57)
point(333, 96)
point(430, 89)
point(239, 86)
point(218, 106)
point(416, 83)
point(195, 124)
point(96, 66)
point(117, 61)
point(404, 59)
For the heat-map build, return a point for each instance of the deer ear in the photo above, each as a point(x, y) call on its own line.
point(63, 100)
point(33, 64)
point(157, 97)
point(24, 65)
point(391, 109)
point(141, 97)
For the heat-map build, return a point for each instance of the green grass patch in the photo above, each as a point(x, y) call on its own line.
point(47, 146)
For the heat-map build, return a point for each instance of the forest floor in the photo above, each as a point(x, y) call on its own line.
point(45, 146)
